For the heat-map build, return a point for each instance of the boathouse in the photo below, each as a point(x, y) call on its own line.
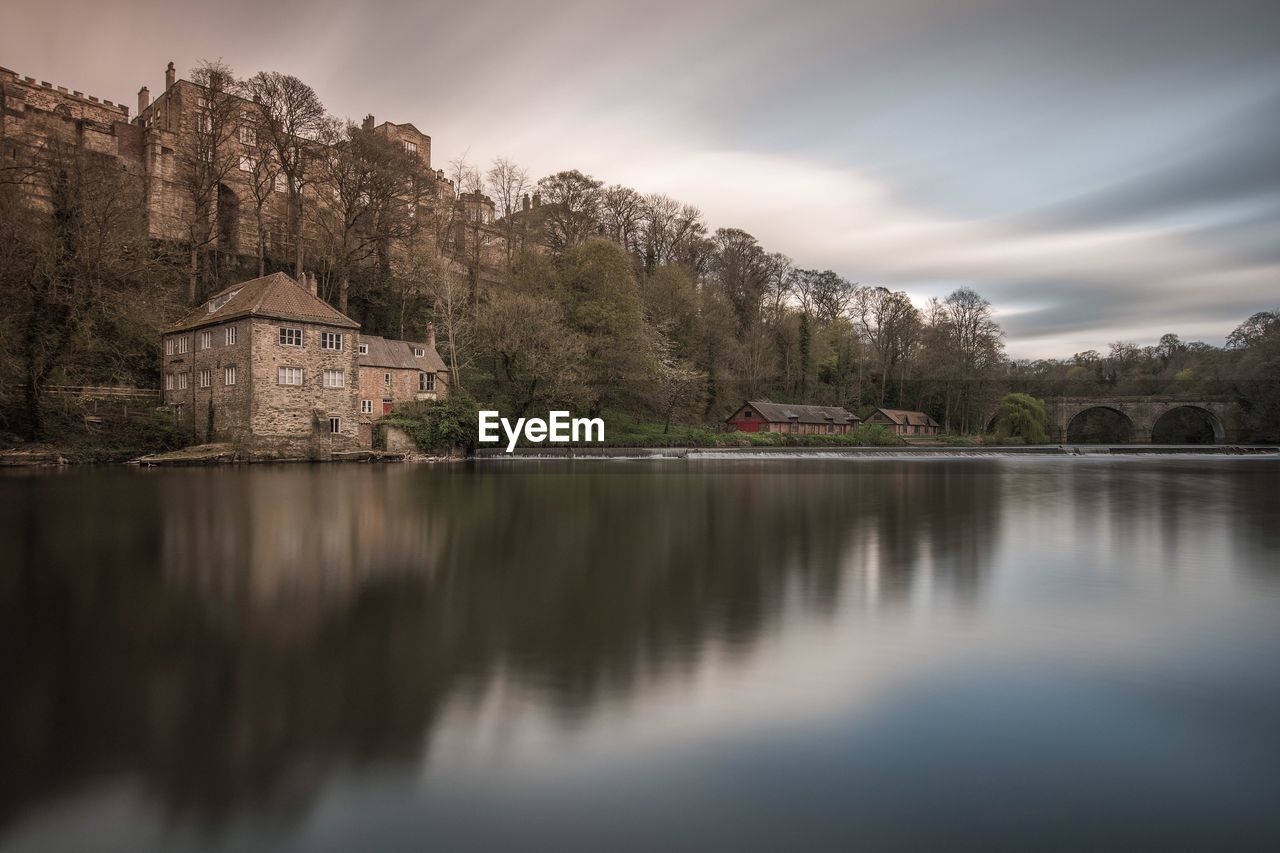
point(764, 416)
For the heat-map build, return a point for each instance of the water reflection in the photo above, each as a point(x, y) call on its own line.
point(233, 640)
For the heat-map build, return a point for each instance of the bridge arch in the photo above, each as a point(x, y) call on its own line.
point(1188, 424)
point(1100, 425)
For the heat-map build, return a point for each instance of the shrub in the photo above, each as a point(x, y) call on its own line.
point(436, 426)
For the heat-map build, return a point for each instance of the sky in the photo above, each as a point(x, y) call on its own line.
point(1100, 170)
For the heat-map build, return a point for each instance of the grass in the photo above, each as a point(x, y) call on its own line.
point(628, 430)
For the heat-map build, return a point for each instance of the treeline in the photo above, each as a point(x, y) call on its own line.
point(595, 298)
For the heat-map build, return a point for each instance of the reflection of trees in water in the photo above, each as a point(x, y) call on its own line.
point(232, 636)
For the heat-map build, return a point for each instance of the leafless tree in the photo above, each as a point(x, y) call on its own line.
point(369, 180)
point(290, 121)
point(508, 184)
point(204, 165)
point(570, 208)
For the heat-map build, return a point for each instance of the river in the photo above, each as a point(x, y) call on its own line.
point(775, 654)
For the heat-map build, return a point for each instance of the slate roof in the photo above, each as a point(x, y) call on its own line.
point(275, 296)
point(384, 352)
point(906, 418)
point(781, 413)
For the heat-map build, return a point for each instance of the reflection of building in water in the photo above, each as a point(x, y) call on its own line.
point(285, 545)
point(240, 634)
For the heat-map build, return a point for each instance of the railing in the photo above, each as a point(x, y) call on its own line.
point(105, 392)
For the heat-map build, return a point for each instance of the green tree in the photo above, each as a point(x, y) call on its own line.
point(601, 301)
point(1022, 416)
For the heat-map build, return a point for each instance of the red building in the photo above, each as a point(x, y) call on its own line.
point(763, 416)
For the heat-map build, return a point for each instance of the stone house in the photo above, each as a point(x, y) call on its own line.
point(764, 416)
point(905, 423)
point(266, 364)
point(394, 372)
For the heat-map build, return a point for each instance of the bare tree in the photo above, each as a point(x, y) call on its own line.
point(204, 165)
point(291, 120)
point(622, 212)
point(370, 179)
point(508, 184)
point(570, 208)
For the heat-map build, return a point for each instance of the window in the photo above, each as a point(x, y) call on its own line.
point(246, 163)
point(229, 375)
point(168, 382)
point(366, 407)
point(364, 349)
point(426, 381)
point(247, 135)
point(169, 346)
point(331, 340)
point(410, 147)
point(218, 301)
point(386, 379)
point(184, 344)
point(206, 377)
point(282, 183)
point(184, 379)
point(335, 424)
point(334, 379)
point(206, 124)
point(231, 336)
point(206, 340)
point(291, 376)
point(291, 337)
point(202, 102)
point(747, 414)
point(419, 352)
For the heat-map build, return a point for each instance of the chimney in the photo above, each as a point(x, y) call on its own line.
point(311, 282)
point(537, 199)
point(524, 203)
point(368, 122)
point(144, 99)
point(431, 335)
point(170, 76)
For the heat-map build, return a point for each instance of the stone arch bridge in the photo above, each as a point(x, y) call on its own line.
point(1134, 420)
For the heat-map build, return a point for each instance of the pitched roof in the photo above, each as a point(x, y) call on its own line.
point(787, 412)
point(904, 417)
point(276, 296)
point(384, 352)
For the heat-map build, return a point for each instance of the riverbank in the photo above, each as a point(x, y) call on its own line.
point(224, 454)
point(491, 454)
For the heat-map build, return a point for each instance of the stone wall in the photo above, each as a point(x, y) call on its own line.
point(298, 415)
point(219, 412)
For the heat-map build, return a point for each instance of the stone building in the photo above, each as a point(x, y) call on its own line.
point(268, 365)
point(394, 372)
point(163, 139)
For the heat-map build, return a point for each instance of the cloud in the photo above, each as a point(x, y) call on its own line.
point(1098, 170)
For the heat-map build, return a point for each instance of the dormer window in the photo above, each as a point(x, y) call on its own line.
point(419, 352)
point(218, 301)
point(364, 349)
